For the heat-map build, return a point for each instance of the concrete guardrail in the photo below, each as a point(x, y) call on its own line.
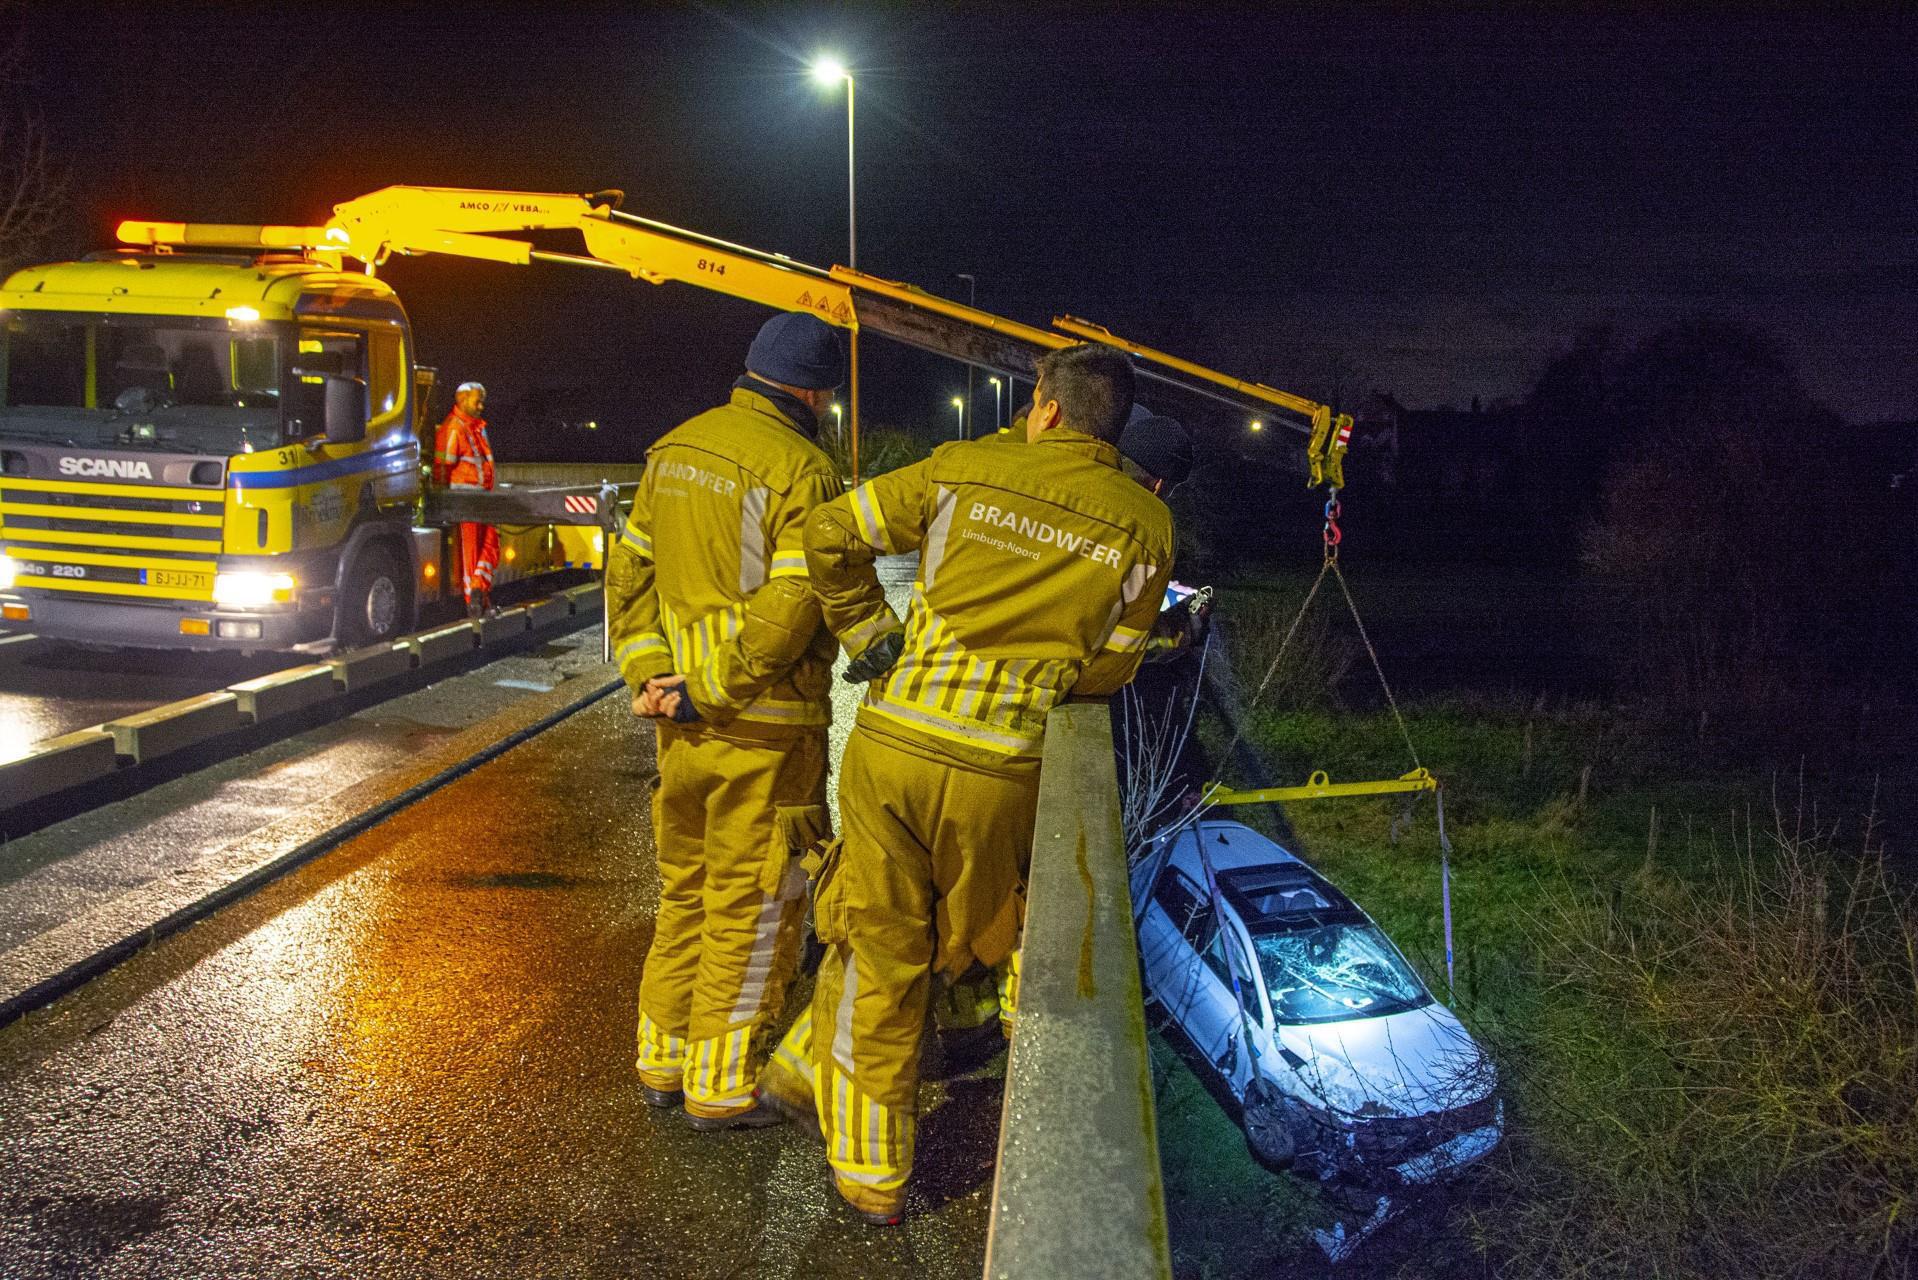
point(88, 755)
point(1078, 1194)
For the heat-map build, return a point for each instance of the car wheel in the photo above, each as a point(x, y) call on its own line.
point(1268, 1131)
point(375, 600)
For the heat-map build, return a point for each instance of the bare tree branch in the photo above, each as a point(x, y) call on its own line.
point(34, 201)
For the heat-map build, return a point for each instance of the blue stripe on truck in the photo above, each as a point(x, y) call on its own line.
point(315, 472)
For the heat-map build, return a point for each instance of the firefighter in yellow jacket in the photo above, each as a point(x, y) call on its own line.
point(719, 638)
point(1041, 569)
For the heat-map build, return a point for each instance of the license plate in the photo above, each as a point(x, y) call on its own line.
point(179, 579)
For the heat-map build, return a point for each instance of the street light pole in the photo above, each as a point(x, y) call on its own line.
point(828, 71)
point(972, 300)
point(997, 385)
point(960, 405)
point(852, 199)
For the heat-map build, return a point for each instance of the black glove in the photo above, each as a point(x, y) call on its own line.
point(877, 660)
point(685, 712)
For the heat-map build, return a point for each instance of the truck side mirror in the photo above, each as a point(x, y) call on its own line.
point(345, 410)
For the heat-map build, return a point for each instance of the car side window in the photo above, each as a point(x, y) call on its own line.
point(1189, 913)
point(1214, 956)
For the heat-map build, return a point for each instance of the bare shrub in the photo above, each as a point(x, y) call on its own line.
point(881, 449)
point(33, 188)
point(1723, 1079)
point(1152, 745)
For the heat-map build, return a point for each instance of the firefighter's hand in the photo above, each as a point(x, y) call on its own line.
point(877, 660)
point(650, 701)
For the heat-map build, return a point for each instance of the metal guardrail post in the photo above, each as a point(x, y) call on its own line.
point(1078, 1191)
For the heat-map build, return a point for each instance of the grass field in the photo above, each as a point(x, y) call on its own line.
point(1702, 993)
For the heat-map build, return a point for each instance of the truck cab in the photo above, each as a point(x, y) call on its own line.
point(209, 451)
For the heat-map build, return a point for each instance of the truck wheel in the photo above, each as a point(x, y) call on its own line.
point(375, 601)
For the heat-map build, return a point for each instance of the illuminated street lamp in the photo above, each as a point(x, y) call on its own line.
point(1257, 425)
point(830, 71)
point(839, 422)
point(997, 386)
point(959, 406)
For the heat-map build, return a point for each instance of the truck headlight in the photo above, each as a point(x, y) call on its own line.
point(249, 589)
point(7, 572)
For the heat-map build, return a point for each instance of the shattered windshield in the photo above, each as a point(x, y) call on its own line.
point(131, 380)
point(1335, 972)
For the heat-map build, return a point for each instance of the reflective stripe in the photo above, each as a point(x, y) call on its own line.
point(760, 960)
point(662, 1055)
point(637, 540)
point(648, 642)
point(953, 728)
point(933, 549)
point(871, 522)
point(789, 564)
point(842, 1017)
point(785, 711)
point(794, 1053)
point(871, 1142)
point(1135, 580)
point(752, 539)
point(718, 1075)
point(973, 684)
point(1125, 640)
point(866, 632)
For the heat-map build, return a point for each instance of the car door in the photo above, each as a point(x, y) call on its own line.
point(1176, 917)
point(1219, 1024)
point(1184, 954)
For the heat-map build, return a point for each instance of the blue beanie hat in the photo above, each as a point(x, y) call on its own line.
point(798, 349)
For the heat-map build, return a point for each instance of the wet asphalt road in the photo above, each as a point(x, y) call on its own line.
point(413, 1057)
point(48, 688)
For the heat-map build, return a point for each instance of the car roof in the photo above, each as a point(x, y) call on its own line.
point(1268, 887)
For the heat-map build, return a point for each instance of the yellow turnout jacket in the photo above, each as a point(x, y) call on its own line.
point(1042, 567)
point(708, 578)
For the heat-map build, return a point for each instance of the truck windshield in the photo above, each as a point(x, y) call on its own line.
point(1333, 973)
point(204, 385)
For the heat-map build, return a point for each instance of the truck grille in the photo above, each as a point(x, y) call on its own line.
point(69, 537)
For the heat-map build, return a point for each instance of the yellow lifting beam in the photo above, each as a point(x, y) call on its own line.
point(1321, 787)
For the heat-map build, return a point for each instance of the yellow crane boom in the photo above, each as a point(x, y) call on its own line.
point(477, 223)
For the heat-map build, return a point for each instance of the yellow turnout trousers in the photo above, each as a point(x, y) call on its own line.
point(732, 818)
point(927, 883)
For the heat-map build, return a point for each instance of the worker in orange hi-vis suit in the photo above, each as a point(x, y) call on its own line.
point(463, 459)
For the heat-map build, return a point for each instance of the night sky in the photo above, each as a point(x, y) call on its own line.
point(1332, 200)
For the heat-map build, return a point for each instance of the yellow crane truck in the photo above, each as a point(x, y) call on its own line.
point(212, 438)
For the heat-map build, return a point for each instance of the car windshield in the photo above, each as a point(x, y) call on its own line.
point(132, 380)
point(1336, 972)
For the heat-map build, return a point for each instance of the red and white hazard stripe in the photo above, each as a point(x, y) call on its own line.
point(582, 504)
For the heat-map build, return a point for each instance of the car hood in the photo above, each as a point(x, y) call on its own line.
point(1400, 1064)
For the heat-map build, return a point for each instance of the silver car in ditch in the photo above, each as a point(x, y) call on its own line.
point(1340, 1062)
